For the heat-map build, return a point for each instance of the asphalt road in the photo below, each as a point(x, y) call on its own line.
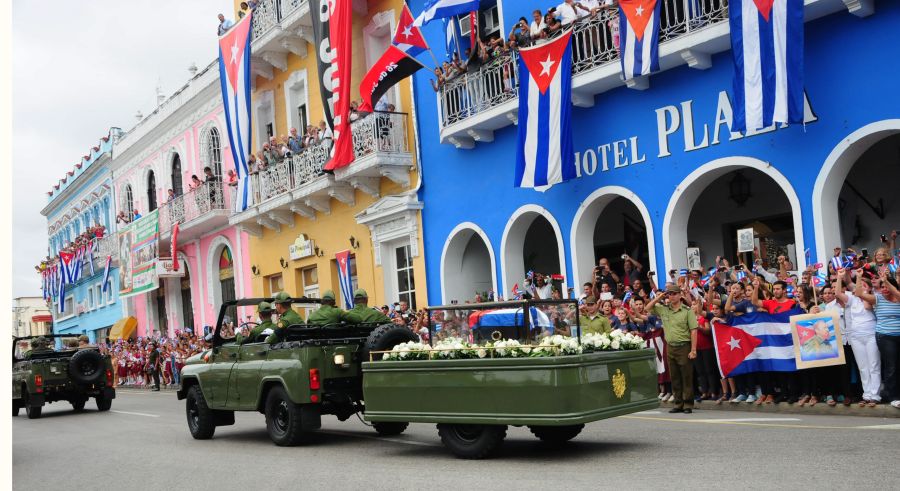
point(143, 443)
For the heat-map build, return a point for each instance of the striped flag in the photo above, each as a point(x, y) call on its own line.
point(344, 279)
point(106, 273)
point(639, 42)
point(545, 155)
point(439, 9)
point(408, 38)
point(234, 75)
point(767, 45)
point(755, 342)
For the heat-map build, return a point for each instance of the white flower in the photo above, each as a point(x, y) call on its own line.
point(482, 353)
point(615, 344)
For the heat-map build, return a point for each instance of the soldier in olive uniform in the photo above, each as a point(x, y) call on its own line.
point(265, 311)
point(327, 314)
point(361, 313)
point(39, 344)
point(286, 317)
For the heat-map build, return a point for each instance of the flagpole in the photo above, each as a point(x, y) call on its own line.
point(433, 57)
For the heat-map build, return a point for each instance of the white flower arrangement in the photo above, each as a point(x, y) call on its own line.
point(555, 345)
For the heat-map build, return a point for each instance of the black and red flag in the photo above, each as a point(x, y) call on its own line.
point(393, 66)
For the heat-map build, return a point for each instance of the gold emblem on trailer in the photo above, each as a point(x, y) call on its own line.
point(619, 384)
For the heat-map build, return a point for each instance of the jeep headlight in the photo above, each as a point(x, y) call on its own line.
point(339, 359)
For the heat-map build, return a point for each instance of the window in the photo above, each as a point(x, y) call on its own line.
point(211, 150)
point(226, 281)
point(406, 285)
point(270, 130)
point(176, 175)
point(310, 277)
point(69, 306)
point(274, 284)
point(129, 201)
point(90, 298)
point(151, 191)
point(98, 294)
point(301, 117)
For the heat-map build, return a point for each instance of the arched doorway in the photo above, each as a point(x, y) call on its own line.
point(610, 222)
point(226, 281)
point(726, 195)
point(531, 242)
point(162, 319)
point(151, 191)
point(467, 264)
point(177, 186)
point(855, 185)
point(187, 305)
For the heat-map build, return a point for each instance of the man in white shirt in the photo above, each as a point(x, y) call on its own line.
point(567, 12)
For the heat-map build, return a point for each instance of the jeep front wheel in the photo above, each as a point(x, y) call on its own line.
point(471, 441)
point(283, 419)
point(389, 428)
point(199, 416)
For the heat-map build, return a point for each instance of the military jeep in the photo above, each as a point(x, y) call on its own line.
point(312, 370)
point(43, 375)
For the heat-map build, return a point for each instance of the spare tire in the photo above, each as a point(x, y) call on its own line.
point(87, 367)
point(384, 338)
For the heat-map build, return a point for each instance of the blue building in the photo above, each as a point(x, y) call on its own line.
point(660, 175)
point(78, 203)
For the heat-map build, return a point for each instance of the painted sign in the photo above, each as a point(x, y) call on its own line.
point(167, 268)
point(143, 241)
point(302, 247)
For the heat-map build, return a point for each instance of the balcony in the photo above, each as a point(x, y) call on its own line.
point(475, 104)
point(279, 27)
point(198, 212)
point(298, 185)
point(106, 246)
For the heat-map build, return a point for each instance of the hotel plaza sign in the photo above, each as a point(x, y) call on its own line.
point(669, 120)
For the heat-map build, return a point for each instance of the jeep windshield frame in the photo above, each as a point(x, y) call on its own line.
point(16, 340)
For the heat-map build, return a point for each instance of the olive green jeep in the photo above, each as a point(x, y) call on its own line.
point(309, 371)
point(43, 375)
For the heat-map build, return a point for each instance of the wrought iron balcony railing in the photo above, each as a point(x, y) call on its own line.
point(375, 133)
point(594, 44)
point(269, 13)
point(191, 205)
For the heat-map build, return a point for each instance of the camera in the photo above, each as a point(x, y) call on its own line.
point(652, 273)
point(883, 238)
point(624, 256)
point(865, 252)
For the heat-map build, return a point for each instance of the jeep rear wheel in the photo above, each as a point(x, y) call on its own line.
point(556, 435)
point(199, 416)
point(472, 441)
point(283, 419)
point(17, 404)
point(389, 428)
point(33, 412)
point(103, 403)
point(78, 404)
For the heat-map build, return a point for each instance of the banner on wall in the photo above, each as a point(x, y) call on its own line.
point(140, 251)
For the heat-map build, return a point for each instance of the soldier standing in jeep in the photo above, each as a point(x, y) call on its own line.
point(286, 316)
point(361, 313)
point(327, 314)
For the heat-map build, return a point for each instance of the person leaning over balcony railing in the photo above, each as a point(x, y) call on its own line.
point(536, 29)
point(295, 142)
point(324, 132)
point(437, 83)
point(520, 35)
point(195, 182)
point(552, 26)
point(224, 24)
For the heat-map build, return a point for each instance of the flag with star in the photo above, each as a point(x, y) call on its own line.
point(545, 155)
point(639, 41)
point(755, 342)
point(234, 76)
point(408, 37)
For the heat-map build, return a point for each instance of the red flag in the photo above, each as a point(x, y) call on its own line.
point(473, 29)
point(733, 345)
point(174, 251)
point(393, 66)
point(409, 37)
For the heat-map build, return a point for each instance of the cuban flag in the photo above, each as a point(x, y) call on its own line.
point(509, 317)
point(344, 279)
point(755, 342)
point(106, 272)
point(452, 38)
point(408, 37)
point(234, 75)
point(439, 9)
point(820, 279)
point(545, 154)
point(767, 45)
point(639, 41)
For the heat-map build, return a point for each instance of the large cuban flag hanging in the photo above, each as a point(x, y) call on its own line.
point(234, 75)
point(639, 25)
point(767, 44)
point(545, 155)
point(755, 342)
point(345, 281)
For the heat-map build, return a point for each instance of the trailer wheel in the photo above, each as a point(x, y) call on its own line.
point(556, 435)
point(472, 441)
point(389, 428)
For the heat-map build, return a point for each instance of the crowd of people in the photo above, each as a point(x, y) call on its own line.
point(82, 240)
point(152, 362)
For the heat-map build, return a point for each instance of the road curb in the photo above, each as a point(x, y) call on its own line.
point(144, 389)
point(820, 409)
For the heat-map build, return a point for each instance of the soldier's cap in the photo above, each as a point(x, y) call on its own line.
point(264, 307)
point(328, 295)
point(282, 297)
point(673, 289)
point(360, 293)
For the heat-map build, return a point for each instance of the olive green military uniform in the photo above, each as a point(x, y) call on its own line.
point(677, 326)
point(362, 313)
point(286, 319)
point(38, 345)
point(262, 308)
point(327, 314)
point(598, 324)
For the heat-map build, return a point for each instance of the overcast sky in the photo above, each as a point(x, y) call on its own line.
point(78, 69)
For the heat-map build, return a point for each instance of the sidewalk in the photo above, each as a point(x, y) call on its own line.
point(879, 411)
point(144, 388)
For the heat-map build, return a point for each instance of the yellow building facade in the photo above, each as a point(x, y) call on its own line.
point(300, 217)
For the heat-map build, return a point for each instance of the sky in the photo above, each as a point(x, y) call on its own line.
point(78, 69)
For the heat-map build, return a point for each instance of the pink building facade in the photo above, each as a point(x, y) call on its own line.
point(168, 151)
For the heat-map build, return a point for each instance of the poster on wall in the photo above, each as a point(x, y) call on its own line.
point(124, 260)
point(144, 241)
